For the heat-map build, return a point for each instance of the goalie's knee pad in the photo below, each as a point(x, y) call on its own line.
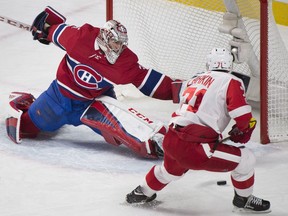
point(18, 123)
point(120, 124)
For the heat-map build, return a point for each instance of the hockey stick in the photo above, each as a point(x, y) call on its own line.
point(225, 139)
point(219, 141)
point(15, 23)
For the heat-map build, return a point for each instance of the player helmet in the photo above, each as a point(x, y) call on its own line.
point(112, 40)
point(219, 59)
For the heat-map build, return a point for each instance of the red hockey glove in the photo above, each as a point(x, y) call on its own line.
point(244, 136)
point(43, 21)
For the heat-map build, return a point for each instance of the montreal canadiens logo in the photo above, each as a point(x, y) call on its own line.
point(86, 77)
point(121, 28)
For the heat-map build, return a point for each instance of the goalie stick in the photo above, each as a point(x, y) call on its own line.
point(15, 23)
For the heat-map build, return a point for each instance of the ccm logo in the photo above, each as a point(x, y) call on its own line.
point(141, 116)
point(14, 23)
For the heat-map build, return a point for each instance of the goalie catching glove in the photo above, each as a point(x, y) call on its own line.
point(238, 136)
point(43, 21)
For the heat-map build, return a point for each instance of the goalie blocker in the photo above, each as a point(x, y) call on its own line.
point(120, 124)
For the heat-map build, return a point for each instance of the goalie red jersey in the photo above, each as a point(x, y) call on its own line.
point(84, 72)
point(95, 60)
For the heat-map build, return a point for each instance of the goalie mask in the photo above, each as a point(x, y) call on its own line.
point(112, 40)
point(219, 59)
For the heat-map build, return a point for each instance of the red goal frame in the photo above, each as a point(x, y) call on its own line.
point(263, 72)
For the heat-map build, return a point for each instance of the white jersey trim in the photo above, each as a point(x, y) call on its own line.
point(72, 91)
point(145, 79)
point(158, 84)
point(219, 154)
point(240, 111)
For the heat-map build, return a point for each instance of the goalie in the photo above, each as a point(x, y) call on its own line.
point(82, 93)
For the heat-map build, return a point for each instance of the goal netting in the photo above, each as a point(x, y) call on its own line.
point(174, 38)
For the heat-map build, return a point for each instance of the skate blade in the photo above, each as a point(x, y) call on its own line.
point(152, 204)
point(248, 211)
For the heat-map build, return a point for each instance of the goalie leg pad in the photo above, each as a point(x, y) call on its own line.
point(110, 138)
point(121, 124)
point(13, 129)
point(16, 126)
point(27, 127)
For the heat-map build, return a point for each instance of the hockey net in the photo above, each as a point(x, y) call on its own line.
point(174, 38)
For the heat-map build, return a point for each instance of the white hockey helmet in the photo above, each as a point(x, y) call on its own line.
point(219, 59)
point(112, 31)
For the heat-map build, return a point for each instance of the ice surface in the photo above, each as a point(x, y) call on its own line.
point(73, 171)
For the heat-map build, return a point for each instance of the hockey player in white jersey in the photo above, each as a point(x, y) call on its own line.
point(208, 102)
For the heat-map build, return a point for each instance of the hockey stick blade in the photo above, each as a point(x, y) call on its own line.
point(15, 23)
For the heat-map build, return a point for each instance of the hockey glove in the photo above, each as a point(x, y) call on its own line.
point(238, 136)
point(43, 21)
point(38, 29)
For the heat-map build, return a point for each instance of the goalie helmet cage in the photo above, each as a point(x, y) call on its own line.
point(174, 37)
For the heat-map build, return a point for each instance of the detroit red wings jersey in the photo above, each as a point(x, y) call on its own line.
point(84, 73)
point(212, 99)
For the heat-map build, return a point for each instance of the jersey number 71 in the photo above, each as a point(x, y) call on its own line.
point(193, 98)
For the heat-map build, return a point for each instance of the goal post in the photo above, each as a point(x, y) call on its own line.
point(174, 37)
point(109, 10)
point(264, 133)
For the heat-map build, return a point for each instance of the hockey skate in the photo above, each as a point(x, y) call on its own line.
point(250, 204)
point(137, 196)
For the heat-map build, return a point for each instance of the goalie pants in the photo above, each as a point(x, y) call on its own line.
point(51, 110)
point(191, 147)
